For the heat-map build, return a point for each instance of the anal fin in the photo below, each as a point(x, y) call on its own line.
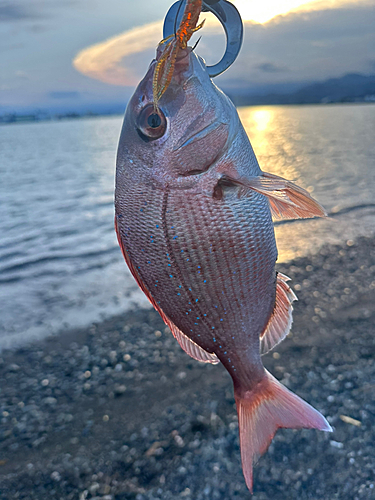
point(191, 348)
point(281, 319)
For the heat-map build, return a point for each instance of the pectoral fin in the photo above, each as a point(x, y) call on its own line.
point(287, 200)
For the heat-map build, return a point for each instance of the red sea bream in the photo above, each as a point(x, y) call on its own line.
point(194, 221)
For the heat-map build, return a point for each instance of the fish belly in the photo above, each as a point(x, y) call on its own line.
point(208, 264)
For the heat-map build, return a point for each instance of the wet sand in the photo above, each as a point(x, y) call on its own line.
point(118, 411)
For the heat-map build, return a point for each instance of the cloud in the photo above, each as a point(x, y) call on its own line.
point(264, 11)
point(113, 61)
point(21, 75)
point(23, 10)
point(11, 11)
point(269, 67)
point(299, 47)
point(6, 47)
point(64, 95)
point(122, 59)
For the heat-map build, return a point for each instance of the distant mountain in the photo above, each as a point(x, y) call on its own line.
point(352, 87)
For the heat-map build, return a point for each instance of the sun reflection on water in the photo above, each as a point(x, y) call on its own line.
point(261, 118)
point(273, 140)
point(276, 139)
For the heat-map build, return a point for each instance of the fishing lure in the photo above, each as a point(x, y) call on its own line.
point(173, 44)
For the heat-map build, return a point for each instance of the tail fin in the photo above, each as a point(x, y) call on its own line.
point(265, 409)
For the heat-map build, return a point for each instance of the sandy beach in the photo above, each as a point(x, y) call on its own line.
point(118, 411)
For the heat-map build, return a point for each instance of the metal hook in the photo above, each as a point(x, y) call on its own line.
point(231, 21)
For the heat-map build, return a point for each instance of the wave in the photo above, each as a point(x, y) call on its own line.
point(33, 262)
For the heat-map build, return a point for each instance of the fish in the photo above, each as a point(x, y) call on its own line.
point(193, 216)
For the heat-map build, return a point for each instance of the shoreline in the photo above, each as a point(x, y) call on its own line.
point(118, 411)
point(19, 118)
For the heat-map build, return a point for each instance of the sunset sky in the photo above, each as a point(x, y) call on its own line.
point(85, 54)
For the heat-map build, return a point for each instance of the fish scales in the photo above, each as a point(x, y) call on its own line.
point(199, 262)
point(193, 219)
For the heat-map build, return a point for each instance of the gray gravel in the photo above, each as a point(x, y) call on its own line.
point(119, 411)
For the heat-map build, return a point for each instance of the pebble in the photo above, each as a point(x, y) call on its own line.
point(56, 476)
point(50, 401)
point(13, 367)
point(120, 389)
point(94, 488)
point(66, 433)
point(336, 444)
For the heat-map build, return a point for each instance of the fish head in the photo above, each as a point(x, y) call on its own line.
point(185, 134)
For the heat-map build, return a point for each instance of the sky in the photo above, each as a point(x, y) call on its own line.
point(89, 54)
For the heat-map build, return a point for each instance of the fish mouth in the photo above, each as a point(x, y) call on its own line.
point(187, 138)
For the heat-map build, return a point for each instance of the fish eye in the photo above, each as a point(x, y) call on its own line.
point(151, 123)
point(154, 120)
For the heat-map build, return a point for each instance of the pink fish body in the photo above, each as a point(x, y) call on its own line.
point(193, 218)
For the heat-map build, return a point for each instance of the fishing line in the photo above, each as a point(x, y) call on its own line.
point(196, 43)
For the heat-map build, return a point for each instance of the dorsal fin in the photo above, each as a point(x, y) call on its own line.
point(281, 319)
point(191, 348)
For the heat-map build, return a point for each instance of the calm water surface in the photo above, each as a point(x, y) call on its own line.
point(60, 265)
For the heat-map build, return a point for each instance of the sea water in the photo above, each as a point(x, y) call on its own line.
point(60, 265)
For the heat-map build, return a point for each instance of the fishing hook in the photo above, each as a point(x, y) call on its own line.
point(231, 21)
